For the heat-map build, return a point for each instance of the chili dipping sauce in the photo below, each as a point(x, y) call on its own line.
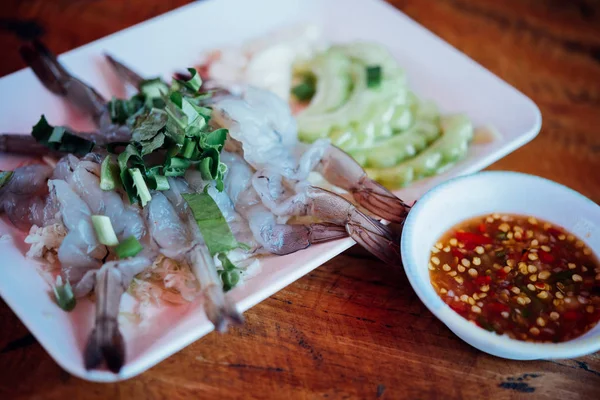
point(519, 276)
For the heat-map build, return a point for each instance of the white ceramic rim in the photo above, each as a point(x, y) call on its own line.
point(529, 350)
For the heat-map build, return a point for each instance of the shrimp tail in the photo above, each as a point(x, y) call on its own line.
point(343, 171)
point(59, 81)
point(105, 344)
point(223, 313)
point(126, 74)
point(219, 309)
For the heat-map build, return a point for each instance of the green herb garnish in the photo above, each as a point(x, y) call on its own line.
point(63, 293)
point(120, 110)
point(194, 82)
point(140, 185)
point(374, 75)
point(60, 139)
point(153, 91)
point(5, 177)
point(216, 233)
point(104, 230)
point(213, 226)
point(230, 274)
point(306, 89)
point(109, 174)
point(170, 133)
point(129, 247)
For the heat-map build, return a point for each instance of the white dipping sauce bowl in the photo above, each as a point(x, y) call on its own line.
point(484, 193)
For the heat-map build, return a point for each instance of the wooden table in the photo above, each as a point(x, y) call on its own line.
point(354, 328)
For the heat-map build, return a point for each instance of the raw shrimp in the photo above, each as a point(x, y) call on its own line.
point(80, 249)
point(266, 130)
point(24, 198)
point(85, 98)
point(266, 133)
point(271, 232)
point(219, 308)
point(105, 342)
point(126, 219)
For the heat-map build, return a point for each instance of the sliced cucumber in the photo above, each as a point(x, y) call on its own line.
point(373, 54)
point(332, 70)
point(392, 151)
point(360, 103)
point(451, 147)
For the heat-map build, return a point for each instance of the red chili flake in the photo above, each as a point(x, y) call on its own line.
point(571, 315)
point(501, 274)
point(554, 231)
point(482, 227)
point(587, 285)
point(457, 253)
point(459, 307)
point(482, 280)
point(473, 238)
point(546, 257)
point(540, 285)
point(593, 317)
point(497, 307)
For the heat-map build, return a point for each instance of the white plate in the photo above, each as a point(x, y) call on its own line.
point(174, 41)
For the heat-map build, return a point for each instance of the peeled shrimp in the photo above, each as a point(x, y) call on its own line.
point(271, 231)
point(126, 219)
point(25, 197)
point(219, 309)
point(80, 249)
point(263, 126)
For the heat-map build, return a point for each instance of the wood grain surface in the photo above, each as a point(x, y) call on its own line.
point(354, 328)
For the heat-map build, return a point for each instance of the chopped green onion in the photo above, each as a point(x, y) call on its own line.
point(194, 82)
point(109, 174)
point(176, 166)
point(226, 262)
point(230, 279)
point(153, 88)
point(5, 177)
point(120, 110)
point(230, 275)
point(57, 134)
point(205, 168)
point(216, 138)
point(374, 76)
point(140, 185)
point(188, 148)
point(104, 230)
point(60, 138)
point(130, 157)
point(160, 182)
point(64, 295)
point(128, 247)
